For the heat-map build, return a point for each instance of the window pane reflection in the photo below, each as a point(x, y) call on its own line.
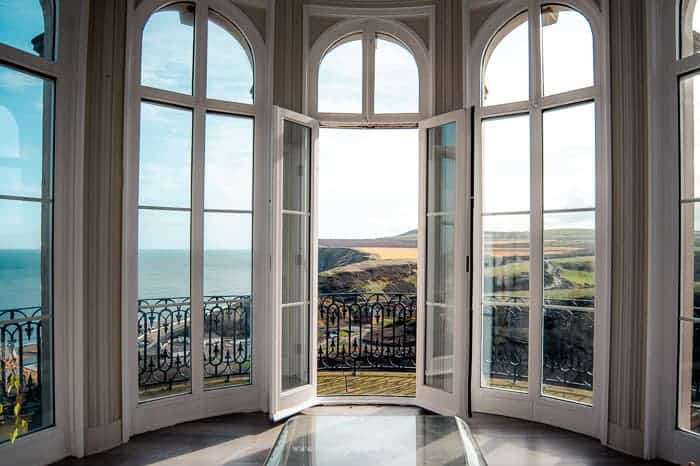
point(229, 63)
point(396, 78)
point(506, 74)
point(28, 25)
point(295, 346)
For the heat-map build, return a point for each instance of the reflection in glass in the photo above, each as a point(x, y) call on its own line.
point(165, 156)
point(506, 74)
point(295, 258)
point(505, 308)
point(297, 166)
point(690, 136)
point(439, 280)
point(567, 50)
point(228, 162)
point(28, 25)
point(442, 142)
point(228, 239)
point(167, 49)
point(505, 148)
point(689, 328)
point(295, 346)
point(396, 78)
point(340, 78)
point(26, 149)
point(229, 63)
point(690, 28)
point(568, 151)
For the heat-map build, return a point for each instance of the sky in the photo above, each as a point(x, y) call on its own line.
point(370, 176)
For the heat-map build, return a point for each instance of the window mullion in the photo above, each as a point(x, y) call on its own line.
point(368, 46)
point(536, 254)
point(197, 218)
point(535, 53)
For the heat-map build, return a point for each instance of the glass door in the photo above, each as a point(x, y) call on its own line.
point(294, 263)
point(443, 291)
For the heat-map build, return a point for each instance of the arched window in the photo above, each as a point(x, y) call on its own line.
point(538, 211)
point(194, 133)
point(368, 70)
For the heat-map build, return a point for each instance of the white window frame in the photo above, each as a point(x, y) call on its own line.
point(590, 420)
point(665, 66)
point(199, 403)
point(368, 23)
point(68, 72)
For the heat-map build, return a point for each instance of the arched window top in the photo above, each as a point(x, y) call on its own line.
point(690, 28)
point(167, 49)
point(340, 77)
point(366, 70)
point(167, 55)
point(28, 25)
point(565, 52)
point(396, 80)
point(230, 63)
point(506, 68)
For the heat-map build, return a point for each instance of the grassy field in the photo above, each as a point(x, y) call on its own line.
point(390, 253)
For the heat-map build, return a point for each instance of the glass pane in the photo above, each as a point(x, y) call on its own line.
point(168, 49)
point(297, 166)
point(26, 125)
point(228, 241)
point(163, 337)
point(442, 141)
point(689, 375)
point(439, 346)
point(567, 50)
point(506, 74)
point(505, 310)
point(295, 258)
point(295, 346)
point(165, 156)
point(340, 78)
point(228, 165)
point(396, 87)
point(690, 28)
point(568, 152)
point(28, 25)
point(440, 259)
point(569, 259)
point(505, 149)
point(690, 136)
point(229, 63)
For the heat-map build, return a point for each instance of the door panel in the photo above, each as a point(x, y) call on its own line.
point(294, 263)
point(443, 290)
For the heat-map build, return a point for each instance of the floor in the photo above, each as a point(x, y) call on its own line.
point(245, 439)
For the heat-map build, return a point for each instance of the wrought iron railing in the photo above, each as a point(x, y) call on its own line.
point(367, 331)
point(567, 341)
point(21, 340)
point(164, 341)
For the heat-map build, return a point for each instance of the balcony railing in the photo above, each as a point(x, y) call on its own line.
point(164, 341)
point(21, 340)
point(367, 331)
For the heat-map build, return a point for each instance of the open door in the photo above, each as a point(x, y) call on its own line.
point(443, 267)
point(294, 263)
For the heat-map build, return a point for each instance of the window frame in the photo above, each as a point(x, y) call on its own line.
point(368, 24)
point(200, 402)
point(67, 70)
point(590, 420)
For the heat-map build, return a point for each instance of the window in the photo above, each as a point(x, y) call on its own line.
point(27, 112)
point(195, 203)
point(369, 70)
point(538, 181)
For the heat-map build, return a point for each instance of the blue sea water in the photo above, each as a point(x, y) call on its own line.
point(162, 273)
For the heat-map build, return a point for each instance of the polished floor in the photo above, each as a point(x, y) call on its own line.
point(246, 439)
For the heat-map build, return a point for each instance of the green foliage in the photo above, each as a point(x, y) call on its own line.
point(14, 384)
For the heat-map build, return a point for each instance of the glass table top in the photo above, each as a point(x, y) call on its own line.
point(375, 440)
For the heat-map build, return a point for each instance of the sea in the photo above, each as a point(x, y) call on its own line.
point(161, 274)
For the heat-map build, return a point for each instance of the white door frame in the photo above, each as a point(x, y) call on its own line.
point(283, 404)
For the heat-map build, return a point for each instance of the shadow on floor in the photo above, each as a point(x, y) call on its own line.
point(246, 439)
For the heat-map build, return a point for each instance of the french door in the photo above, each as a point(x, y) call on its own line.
point(443, 291)
point(294, 263)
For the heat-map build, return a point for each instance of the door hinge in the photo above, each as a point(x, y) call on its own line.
point(467, 263)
